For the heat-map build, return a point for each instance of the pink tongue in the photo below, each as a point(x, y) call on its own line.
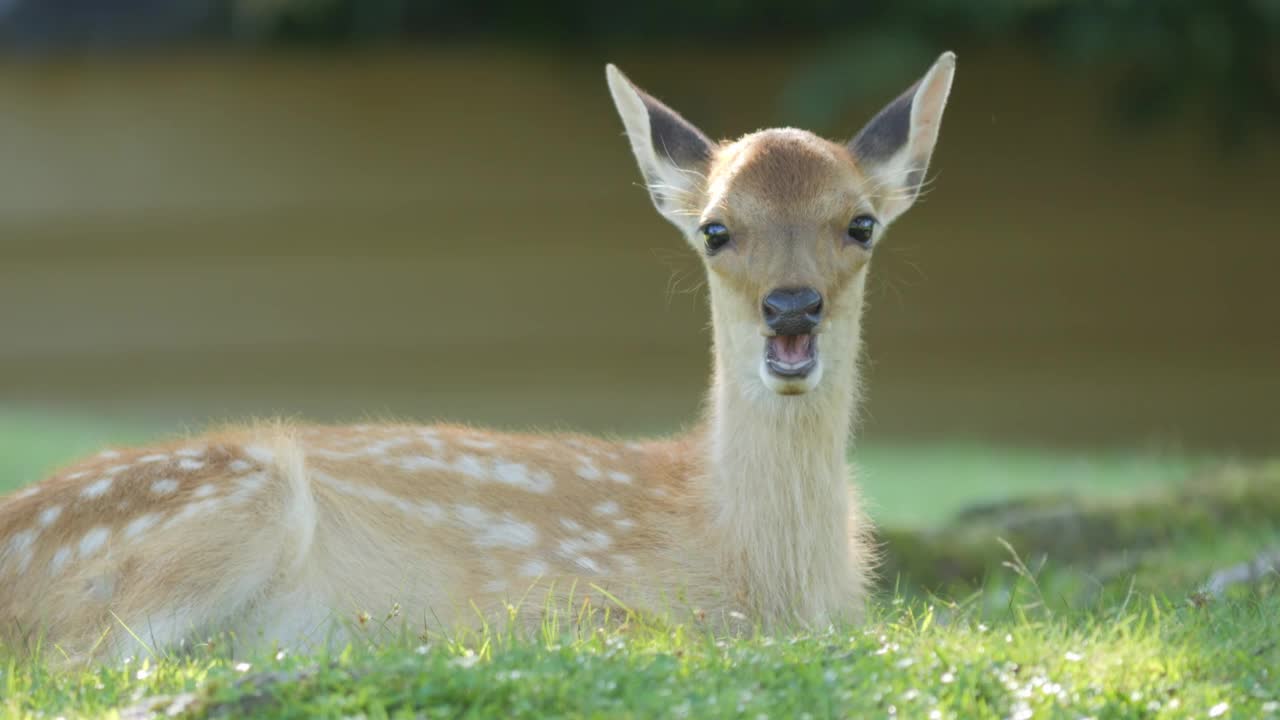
point(791, 349)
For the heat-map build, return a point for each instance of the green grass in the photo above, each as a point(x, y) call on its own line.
point(1154, 659)
point(923, 485)
point(1093, 609)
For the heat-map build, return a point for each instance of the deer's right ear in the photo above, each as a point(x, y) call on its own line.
point(672, 153)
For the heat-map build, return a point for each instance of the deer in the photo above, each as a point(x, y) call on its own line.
point(280, 532)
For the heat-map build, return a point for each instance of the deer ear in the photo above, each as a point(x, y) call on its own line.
point(895, 147)
point(672, 153)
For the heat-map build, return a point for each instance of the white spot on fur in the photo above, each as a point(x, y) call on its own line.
point(534, 568)
point(20, 546)
point(117, 469)
point(50, 515)
point(189, 465)
point(633, 446)
point(139, 525)
point(620, 477)
point(597, 539)
point(194, 509)
point(433, 513)
point(383, 446)
point(335, 454)
point(472, 515)
point(259, 453)
point(248, 486)
point(109, 454)
point(505, 531)
point(77, 475)
point(432, 438)
point(587, 469)
point(27, 492)
point(205, 490)
point(508, 532)
point(471, 466)
point(191, 452)
point(625, 524)
point(153, 458)
point(60, 559)
point(239, 467)
point(477, 443)
point(608, 507)
point(575, 551)
point(96, 489)
point(417, 463)
point(517, 475)
point(93, 541)
point(571, 525)
point(164, 486)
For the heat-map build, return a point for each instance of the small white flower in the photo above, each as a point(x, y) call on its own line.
point(243, 667)
point(1219, 710)
point(1073, 656)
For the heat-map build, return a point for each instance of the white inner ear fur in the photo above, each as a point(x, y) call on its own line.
point(899, 178)
point(669, 185)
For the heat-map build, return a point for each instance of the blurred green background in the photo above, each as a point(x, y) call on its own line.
point(336, 210)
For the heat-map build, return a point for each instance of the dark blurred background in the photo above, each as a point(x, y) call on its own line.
point(337, 209)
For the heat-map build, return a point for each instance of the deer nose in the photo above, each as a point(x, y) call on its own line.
point(792, 311)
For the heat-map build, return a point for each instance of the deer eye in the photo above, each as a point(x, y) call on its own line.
point(715, 236)
point(861, 229)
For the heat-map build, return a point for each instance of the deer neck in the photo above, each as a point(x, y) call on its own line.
point(778, 479)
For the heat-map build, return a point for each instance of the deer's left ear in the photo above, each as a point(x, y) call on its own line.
point(673, 154)
point(895, 147)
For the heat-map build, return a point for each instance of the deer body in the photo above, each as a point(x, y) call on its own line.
point(292, 533)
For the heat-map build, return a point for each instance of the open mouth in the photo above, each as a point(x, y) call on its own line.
point(791, 356)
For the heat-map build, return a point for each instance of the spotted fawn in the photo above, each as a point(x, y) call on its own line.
point(285, 533)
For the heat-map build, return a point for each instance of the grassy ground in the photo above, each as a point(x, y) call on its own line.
point(1096, 607)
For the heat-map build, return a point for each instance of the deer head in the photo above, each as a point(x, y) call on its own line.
point(786, 224)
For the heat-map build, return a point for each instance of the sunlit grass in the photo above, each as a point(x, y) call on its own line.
point(1153, 658)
